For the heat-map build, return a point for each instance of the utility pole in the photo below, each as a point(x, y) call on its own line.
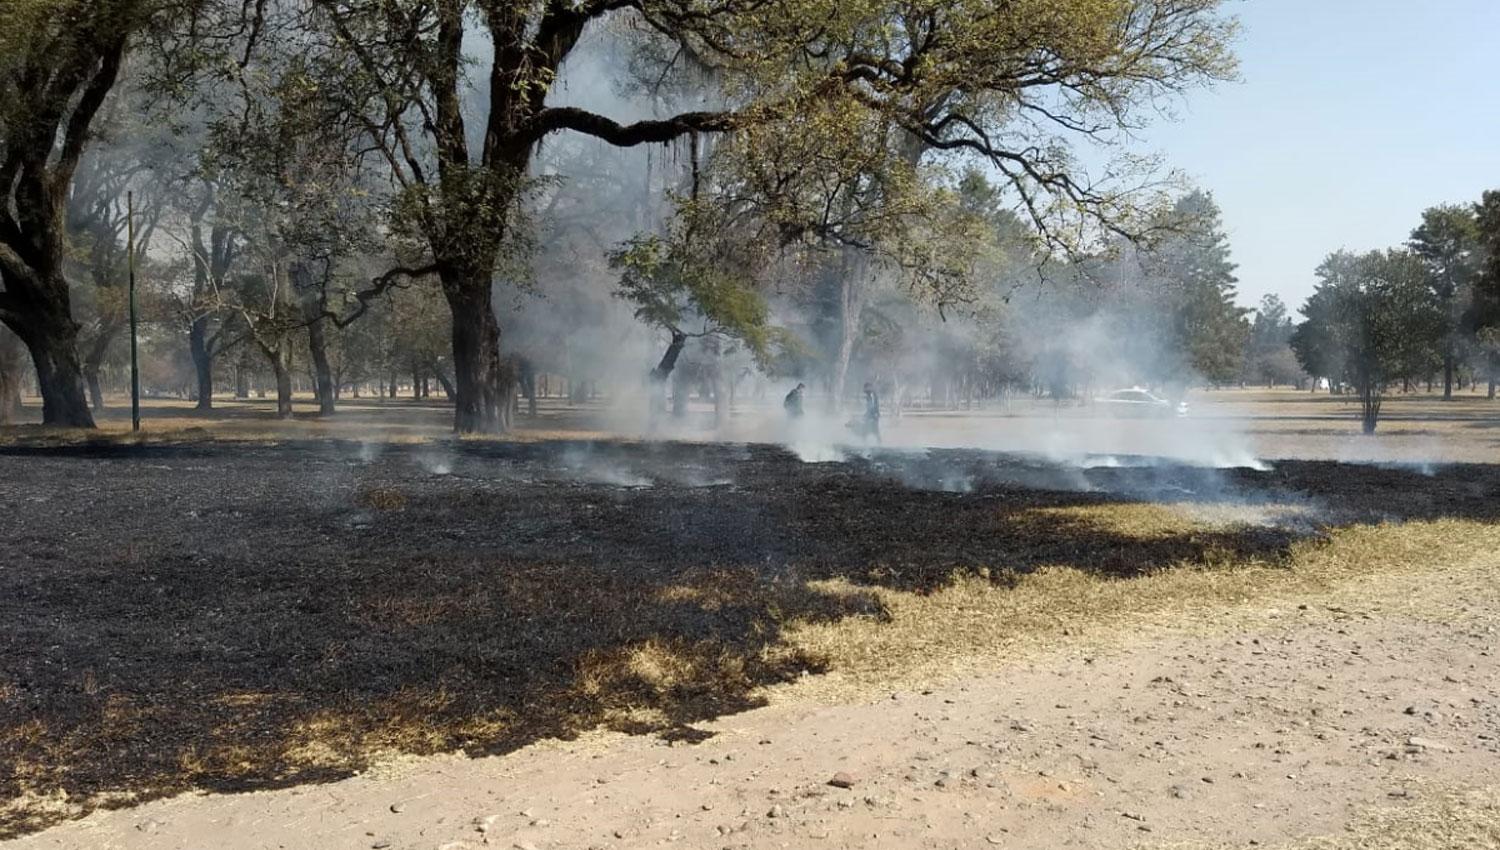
point(135, 369)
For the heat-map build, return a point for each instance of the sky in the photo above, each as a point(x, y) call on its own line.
point(1350, 118)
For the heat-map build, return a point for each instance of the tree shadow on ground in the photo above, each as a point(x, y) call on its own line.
point(180, 617)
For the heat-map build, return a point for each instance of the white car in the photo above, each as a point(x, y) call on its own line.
point(1138, 402)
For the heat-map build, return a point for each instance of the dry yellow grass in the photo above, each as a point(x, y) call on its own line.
point(974, 622)
point(1441, 819)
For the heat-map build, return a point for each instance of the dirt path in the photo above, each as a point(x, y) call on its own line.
point(1299, 722)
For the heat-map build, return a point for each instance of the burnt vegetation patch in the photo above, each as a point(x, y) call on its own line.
point(230, 618)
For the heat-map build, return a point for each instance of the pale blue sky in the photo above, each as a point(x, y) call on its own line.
point(1351, 117)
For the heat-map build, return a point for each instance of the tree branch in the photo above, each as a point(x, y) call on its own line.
point(627, 135)
point(379, 286)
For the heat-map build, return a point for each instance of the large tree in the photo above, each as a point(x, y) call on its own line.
point(1370, 321)
point(1447, 243)
point(1482, 319)
point(1008, 83)
point(60, 60)
point(1192, 280)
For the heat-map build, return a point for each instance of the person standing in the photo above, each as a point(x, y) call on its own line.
point(793, 402)
point(872, 412)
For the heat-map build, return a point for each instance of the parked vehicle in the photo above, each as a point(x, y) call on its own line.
point(1137, 402)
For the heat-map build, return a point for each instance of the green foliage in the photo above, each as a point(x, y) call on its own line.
point(1447, 244)
point(676, 288)
point(1482, 317)
point(1269, 358)
point(1371, 321)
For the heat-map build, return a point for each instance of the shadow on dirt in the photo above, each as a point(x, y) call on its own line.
point(240, 617)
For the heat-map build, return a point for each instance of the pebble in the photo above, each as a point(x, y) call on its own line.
point(397, 808)
point(1428, 744)
point(776, 812)
point(842, 780)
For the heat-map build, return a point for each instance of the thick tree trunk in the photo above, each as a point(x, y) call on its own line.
point(476, 352)
point(53, 343)
point(283, 391)
point(203, 362)
point(279, 359)
point(323, 383)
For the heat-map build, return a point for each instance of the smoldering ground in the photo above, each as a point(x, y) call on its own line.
point(243, 616)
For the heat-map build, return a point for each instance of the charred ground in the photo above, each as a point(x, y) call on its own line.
point(201, 615)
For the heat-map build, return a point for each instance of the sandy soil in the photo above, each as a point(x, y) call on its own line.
point(1288, 722)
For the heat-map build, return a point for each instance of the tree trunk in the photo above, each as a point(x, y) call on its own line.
point(528, 387)
point(848, 331)
point(681, 389)
point(12, 364)
point(659, 376)
point(279, 358)
point(283, 390)
point(716, 383)
point(1448, 372)
point(668, 360)
point(323, 383)
point(91, 380)
point(53, 343)
point(1369, 398)
point(476, 352)
point(443, 380)
point(203, 362)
